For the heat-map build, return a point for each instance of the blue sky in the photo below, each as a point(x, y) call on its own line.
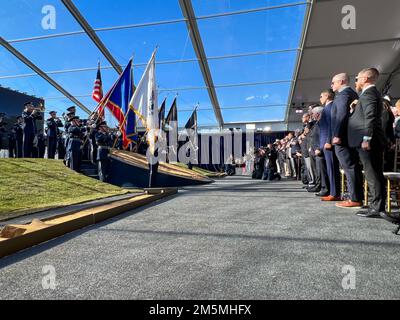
point(278, 29)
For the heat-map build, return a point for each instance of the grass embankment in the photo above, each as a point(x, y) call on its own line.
point(32, 185)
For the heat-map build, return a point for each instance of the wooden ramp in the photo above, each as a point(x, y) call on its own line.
point(16, 237)
point(131, 170)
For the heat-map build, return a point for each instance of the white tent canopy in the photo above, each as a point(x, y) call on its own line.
point(330, 49)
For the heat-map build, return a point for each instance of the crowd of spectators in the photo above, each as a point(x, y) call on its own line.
point(350, 129)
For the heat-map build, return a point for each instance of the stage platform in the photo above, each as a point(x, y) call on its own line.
point(234, 239)
point(131, 170)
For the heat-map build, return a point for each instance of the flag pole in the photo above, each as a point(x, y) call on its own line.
point(127, 112)
point(106, 98)
point(120, 128)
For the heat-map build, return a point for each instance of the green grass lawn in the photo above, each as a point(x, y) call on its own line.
point(31, 185)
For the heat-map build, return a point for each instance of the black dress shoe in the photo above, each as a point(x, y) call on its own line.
point(370, 213)
point(391, 217)
point(314, 190)
point(322, 194)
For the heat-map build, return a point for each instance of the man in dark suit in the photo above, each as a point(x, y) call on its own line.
point(305, 149)
point(332, 164)
point(53, 124)
point(367, 137)
point(322, 182)
point(303, 154)
point(348, 157)
point(295, 149)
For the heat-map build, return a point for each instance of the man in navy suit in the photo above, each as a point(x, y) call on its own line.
point(348, 157)
point(366, 135)
point(322, 182)
point(332, 163)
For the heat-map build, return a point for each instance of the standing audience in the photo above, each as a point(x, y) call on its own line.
point(353, 130)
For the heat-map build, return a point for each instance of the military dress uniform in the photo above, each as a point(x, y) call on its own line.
point(104, 143)
point(53, 131)
point(2, 131)
point(41, 145)
point(18, 131)
point(93, 145)
point(11, 145)
point(74, 152)
point(61, 150)
point(30, 131)
point(86, 148)
point(67, 124)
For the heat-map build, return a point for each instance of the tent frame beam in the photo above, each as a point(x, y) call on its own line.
point(306, 25)
point(42, 74)
point(191, 23)
point(157, 23)
point(338, 45)
point(92, 34)
point(161, 62)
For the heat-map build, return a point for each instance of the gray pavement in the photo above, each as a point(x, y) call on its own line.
point(234, 239)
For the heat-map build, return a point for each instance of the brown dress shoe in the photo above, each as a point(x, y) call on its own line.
point(330, 198)
point(348, 204)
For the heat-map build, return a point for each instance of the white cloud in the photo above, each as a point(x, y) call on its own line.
point(250, 98)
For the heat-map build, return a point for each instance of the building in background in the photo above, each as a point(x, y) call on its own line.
point(12, 105)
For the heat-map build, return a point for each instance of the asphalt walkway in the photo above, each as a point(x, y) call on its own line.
point(234, 239)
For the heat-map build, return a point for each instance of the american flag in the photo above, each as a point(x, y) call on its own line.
point(97, 94)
